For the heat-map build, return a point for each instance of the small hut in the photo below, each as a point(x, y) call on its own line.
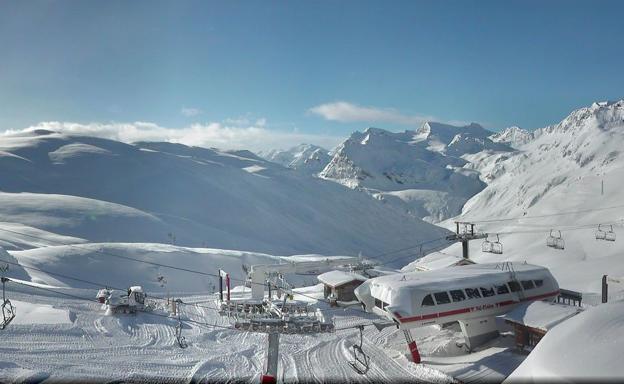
point(531, 321)
point(339, 285)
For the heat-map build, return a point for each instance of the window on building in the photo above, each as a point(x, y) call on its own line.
point(428, 301)
point(458, 295)
point(502, 289)
point(527, 284)
point(487, 292)
point(442, 297)
point(538, 283)
point(380, 304)
point(473, 293)
point(514, 286)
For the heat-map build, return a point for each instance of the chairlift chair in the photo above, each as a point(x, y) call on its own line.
point(610, 234)
point(486, 246)
point(492, 246)
point(555, 240)
point(8, 310)
point(605, 234)
point(600, 234)
point(497, 246)
point(8, 313)
point(178, 335)
point(360, 362)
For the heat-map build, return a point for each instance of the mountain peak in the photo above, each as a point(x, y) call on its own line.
point(513, 136)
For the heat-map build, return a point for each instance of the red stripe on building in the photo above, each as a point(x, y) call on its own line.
point(465, 310)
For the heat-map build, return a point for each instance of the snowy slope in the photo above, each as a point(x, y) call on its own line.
point(422, 172)
point(307, 158)
point(555, 183)
point(513, 136)
point(106, 191)
point(587, 347)
point(108, 263)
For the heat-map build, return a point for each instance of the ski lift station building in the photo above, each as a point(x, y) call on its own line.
point(340, 285)
point(472, 295)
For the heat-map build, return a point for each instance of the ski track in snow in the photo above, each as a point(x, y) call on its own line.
point(143, 347)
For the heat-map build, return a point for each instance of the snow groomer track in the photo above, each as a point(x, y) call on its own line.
point(65, 338)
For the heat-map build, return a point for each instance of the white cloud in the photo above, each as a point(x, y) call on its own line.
point(190, 112)
point(254, 137)
point(346, 112)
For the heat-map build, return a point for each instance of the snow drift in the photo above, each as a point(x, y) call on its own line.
point(587, 347)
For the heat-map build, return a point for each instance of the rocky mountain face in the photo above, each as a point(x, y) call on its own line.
point(586, 144)
point(422, 172)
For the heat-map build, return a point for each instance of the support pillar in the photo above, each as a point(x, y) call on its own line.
point(465, 249)
point(411, 344)
point(221, 285)
point(605, 289)
point(227, 284)
point(270, 375)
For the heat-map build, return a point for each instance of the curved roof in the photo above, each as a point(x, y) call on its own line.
point(453, 277)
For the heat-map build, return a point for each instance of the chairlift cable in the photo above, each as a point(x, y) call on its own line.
point(545, 215)
point(77, 246)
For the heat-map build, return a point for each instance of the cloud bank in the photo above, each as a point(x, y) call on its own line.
point(255, 137)
point(345, 112)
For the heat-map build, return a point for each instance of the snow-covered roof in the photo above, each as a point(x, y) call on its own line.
point(541, 315)
point(402, 290)
point(437, 260)
point(448, 278)
point(587, 347)
point(338, 278)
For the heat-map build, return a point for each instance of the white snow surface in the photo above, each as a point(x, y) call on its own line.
point(101, 190)
point(584, 348)
point(114, 265)
point(39, 314)
point(142, 347)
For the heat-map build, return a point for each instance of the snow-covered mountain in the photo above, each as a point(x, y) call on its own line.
point(86, 189)
point(513, 136)
point(307, 158)
point(569, 178)
point(423, 172)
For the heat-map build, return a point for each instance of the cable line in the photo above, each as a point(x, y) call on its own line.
point(546, 215)
point(77, 246)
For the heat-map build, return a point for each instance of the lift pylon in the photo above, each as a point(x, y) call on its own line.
point(464, 232)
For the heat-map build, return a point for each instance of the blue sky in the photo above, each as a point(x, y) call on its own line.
point(305, 69)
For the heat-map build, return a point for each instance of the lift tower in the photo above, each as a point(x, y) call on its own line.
point(465, 232)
